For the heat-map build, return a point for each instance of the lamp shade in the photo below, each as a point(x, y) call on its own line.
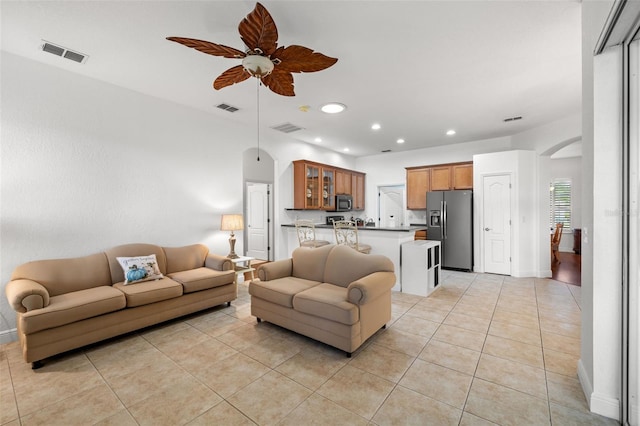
point(231, 222)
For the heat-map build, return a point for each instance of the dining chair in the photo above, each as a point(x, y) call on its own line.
point(555, 241)
point(306, 231)
point(347, 233)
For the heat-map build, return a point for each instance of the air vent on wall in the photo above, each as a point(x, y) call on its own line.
point(227, 108)
point(287, 128)
point(63, 52)
point(506, 120)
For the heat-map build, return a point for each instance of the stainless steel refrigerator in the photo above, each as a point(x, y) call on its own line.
point(450, 221)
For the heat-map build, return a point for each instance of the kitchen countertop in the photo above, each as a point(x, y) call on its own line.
point(366, 228)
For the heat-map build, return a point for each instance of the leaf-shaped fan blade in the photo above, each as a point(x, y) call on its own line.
point(301, 59)
point(231, 76)
point(280, 82)
point(208, 47)
point(258, 30)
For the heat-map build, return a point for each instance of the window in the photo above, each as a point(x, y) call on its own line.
point(560, 203)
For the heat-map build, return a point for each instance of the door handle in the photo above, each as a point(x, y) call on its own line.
point(487, 229)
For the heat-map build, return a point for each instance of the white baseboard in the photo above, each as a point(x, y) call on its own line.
point(599, 404)
point(8, 336)
point(545, 274)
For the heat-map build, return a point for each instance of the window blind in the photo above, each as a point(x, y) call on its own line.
point(560, 203)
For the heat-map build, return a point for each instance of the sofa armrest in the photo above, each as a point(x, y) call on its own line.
point(370, 287)
point(26, 295)
point(274, 270)
point(217, 262)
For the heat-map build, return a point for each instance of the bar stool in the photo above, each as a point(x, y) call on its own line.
point(347, 233)
point(306, 231)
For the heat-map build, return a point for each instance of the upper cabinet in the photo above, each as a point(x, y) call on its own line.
point(418, 183)
point(440, 177)
point(357, 190)
point(315, 186)
point(343, 182)
point(462, 175)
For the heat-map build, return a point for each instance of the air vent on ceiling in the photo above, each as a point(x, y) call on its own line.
point(506, 120)
point(287, 128)
point(386, 150)
point(227, 108)
point(63, 52)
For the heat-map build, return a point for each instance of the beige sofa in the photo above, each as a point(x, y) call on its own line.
point(64, 304)
point(333, 294)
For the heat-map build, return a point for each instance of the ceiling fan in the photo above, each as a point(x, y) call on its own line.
point(264, 59)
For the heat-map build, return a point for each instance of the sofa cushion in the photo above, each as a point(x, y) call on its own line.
point(344, 265)
point(147, 292)
point(185, 258)
point(280, 291)
point(71, 307)
point(309, 262)
point(139, 268)
point(327, 301)
point(60, 276)
point(202, 279)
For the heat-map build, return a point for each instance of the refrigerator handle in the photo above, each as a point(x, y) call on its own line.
point(443, 229)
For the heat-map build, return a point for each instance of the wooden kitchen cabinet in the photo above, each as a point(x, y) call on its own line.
point(439, 177)
point(315, 186)
point(357, 190)
point(343, 182)
point(418, 183)
point(462, 176)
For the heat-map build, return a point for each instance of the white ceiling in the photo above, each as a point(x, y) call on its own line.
point(419, 68)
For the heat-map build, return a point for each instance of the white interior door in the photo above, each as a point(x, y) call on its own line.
point(391, 206)
point(496, 228)
point(258, 220)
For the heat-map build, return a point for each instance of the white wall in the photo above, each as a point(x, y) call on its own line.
point(521, 166)
point(389, 169)
point(87, 165)
point(599, 365)
point(569, 168)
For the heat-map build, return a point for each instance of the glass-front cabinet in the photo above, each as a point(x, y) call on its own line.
point(328, 192)
point(312, 185)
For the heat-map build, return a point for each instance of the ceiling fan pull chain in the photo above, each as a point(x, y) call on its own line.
point(258, 114)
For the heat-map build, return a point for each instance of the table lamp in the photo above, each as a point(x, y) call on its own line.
point(232, 222)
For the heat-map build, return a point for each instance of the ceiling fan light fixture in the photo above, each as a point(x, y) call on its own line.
point(257, 65)
point(333, 108)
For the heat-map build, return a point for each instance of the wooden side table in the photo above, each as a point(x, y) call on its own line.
point(242, 264)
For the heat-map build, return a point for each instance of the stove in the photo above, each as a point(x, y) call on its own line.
point(331, 219)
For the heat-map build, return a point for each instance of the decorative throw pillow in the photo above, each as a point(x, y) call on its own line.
point(140, 268)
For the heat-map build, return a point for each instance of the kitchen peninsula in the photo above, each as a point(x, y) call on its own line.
point(384, 241)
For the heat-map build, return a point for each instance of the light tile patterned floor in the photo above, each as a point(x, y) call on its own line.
point(481, 350)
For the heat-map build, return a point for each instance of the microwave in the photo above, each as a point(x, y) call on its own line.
point(344, 203)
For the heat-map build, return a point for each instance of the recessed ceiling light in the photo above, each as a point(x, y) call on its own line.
point(346, 150)
point(451, 132)
point(375, 126)
point(318, 140)
point(333, 108)
point(400, 140)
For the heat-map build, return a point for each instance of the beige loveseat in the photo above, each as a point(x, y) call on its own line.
point(333, 294)
point(64, 304)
